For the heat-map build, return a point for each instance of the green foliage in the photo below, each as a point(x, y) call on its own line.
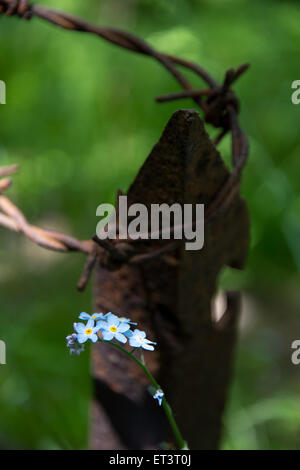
point(80, 119)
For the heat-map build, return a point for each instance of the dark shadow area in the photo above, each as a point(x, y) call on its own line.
point(128, 418)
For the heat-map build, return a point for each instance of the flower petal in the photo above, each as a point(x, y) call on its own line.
point(94, 338)
point(96, 316)
point(148, 347)
point(79, 327)
point(112, 320)
point(90, 324)
point(124, 319)
point(102, 325)
point(84, 316)
point(140, 333)
point(134, 342)
point(107, 335)
point(81, 338)
point(120, 337)
point(149, 342)
point(123, 327)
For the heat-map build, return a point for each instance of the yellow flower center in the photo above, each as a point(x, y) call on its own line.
point(88, 331)
point(94, 317)
point(113, 329)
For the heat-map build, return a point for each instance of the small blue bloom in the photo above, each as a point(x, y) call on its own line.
point(159, 394)
point(73, 345)
point(138, 339)
point(126, 320)
point(94, 316)
point(112, 327)
point(85, 332)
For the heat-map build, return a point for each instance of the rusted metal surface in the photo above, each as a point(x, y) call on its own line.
point(173, 303)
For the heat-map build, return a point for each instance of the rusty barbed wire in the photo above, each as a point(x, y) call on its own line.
point(12, 218)
point(218, 102)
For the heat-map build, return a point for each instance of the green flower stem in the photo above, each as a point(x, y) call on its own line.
point(182, 444)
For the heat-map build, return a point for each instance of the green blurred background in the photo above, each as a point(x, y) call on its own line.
point(80, 119)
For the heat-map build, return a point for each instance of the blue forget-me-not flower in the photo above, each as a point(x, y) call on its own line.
point(159, 394)
point(137, 339)
point(112, 328)
point(126, 320)
point(94, 316)
point(85, 332)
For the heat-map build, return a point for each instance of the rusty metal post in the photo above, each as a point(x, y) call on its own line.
point(170, 297)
